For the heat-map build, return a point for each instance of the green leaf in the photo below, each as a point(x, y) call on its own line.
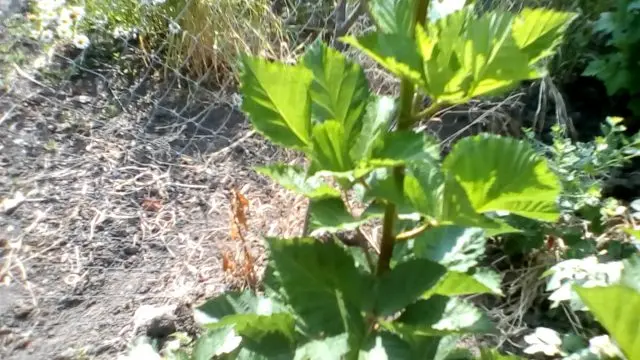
point(376, 122)
point(424, 188)
point(215, 342)
point(234, 303)
point(331, 215)
point(402, 147)
point(455, 283)
point(443, 199)
point(322, 284)
point(457, 248)
point(264, 325)
point(405, 283)
point(617, 308)
point(276, 98)
point(440, 315)
point(339, 90)
point(330, 348)
point(294, 178)
point(539, 31)
point(266, 335)
point(503, 174)
point(466, 56)
point(393, 16)
point(330, 146)
point(395, 52)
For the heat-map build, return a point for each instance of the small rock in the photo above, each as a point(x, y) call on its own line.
point(131, 250)
point(5, 331)
point(22, 311)
point(69, 301)
point(157, 321)
point(8, 205)
point(83, 99)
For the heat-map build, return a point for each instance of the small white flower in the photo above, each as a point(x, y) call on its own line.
point(543, 340)
point(64, 32)
point(47, 17)
point(49, 5)
point(81, 41)
point(76, 12)
point(46, 36)
point(65, 18)
point(174, 28)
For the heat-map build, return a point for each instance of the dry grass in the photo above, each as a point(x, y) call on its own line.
point(216, 32)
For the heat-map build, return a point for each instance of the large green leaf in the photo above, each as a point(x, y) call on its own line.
point(276, 98)
point(467, 56)
point(464, 55)
point(263, 323)
point(395, 52)
point(455, 283)
point(339, 90)
point(440, 198)
point(457, 248)
point(266, 335)
point(402, 147)
point(375, 123)
point(617, 308)
point(539, 31)
point(441, 315)
point(393, 16)
point(503, 174)
point(405, 283)
point(330, 348)
point(234, 303)
point(295, 179)
point(322, 284)
point(331, 215)
point(424, 186)
point(331, 146)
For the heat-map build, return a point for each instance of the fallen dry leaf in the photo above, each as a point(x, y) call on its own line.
point(150, 204)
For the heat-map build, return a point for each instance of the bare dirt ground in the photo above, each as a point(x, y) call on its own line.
point(126, 203)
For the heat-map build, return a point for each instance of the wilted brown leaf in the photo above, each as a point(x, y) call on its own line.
point(150, 204)
point(240, 207)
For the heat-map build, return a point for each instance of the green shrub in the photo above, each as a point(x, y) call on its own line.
point(618, 65)
point(399, 298)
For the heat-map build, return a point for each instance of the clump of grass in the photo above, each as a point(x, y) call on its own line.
point(208, 36)
point(198, 38)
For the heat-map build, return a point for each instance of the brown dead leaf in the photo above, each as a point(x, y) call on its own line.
point(150, 204)
point(240, 207)
point(228, 265)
